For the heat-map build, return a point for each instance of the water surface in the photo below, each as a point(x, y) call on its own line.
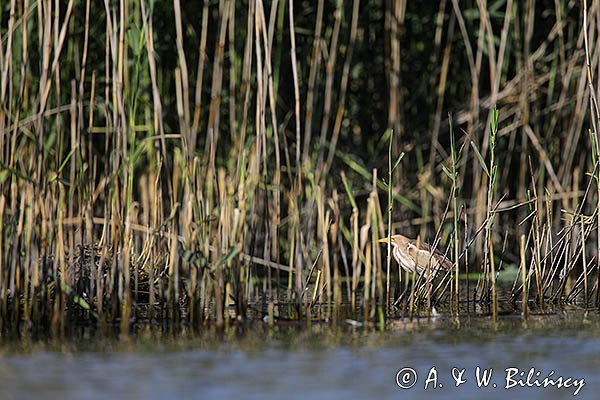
point(334, 361)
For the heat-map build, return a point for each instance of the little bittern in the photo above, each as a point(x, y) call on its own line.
point(409, 256)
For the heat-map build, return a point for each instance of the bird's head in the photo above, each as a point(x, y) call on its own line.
point(395, 240)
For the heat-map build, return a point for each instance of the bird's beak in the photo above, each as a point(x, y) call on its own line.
point(384, 240)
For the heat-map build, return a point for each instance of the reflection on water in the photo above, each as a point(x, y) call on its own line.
point(320, 360)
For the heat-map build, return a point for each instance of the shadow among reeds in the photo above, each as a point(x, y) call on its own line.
point(203, 162)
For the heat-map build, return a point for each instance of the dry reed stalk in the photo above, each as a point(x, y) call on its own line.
point(337, 126)
point(525, 292)
point(294, 63)
point(334, 234)
point(184, 79)
point(315, 62)
point(199, 79)
point(595, 117)
point(395, 17)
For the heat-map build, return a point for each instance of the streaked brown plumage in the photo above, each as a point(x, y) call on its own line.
point(408, 256)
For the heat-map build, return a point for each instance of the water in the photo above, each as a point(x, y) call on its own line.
point(319, 361)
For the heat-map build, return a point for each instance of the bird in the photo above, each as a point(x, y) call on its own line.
point(409, 255)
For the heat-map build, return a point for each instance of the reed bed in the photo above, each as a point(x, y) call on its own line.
point(195, 162)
